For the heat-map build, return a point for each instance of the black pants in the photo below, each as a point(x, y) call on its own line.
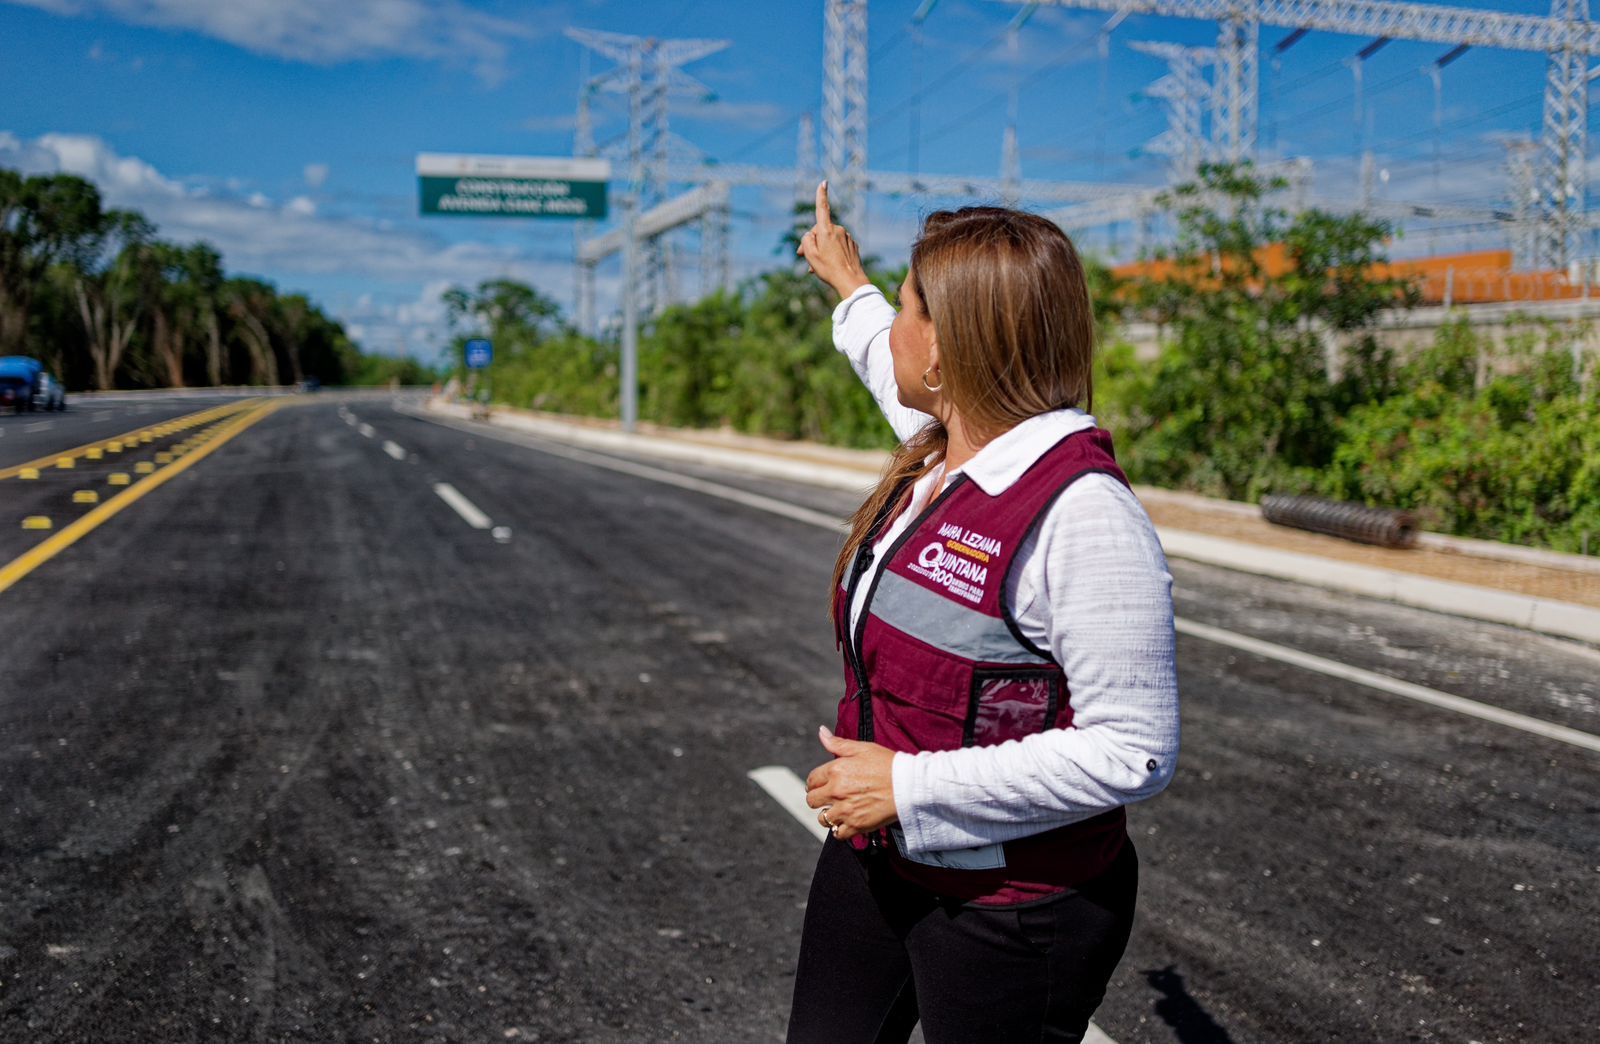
point(878, 954)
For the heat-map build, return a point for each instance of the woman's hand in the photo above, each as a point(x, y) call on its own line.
point(831, 251)
point(854, 791)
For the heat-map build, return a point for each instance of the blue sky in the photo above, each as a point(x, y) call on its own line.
point(286, 131)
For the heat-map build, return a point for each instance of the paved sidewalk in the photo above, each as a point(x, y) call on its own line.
point(1546, 591)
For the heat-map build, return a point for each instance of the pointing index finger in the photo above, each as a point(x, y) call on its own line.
point(824, 218)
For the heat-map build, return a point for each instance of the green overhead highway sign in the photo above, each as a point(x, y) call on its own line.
point(512, 186)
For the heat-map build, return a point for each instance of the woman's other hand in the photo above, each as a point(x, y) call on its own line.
point(856, 788)
point(832, 252)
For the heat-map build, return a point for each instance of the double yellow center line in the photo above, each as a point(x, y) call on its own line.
point(118, 443)
point(243, 417)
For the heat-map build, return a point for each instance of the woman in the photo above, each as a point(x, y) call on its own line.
point(1005, 614)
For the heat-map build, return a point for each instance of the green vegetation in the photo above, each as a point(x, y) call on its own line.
point(760, 361)
point(1510, 454)
point(1275, 381)
point(1271, 378)
point(104, 303)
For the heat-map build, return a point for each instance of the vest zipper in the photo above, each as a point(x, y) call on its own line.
point(853, 645)
point(878, 839)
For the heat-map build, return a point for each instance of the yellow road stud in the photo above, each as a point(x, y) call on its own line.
point(93, 454)
point(28, 473)
point(36, 522)
point(145, 437)
point(114, 446)
point(66, 463)
point(144, 467)
point(85, 496)
point(164, 457)
point(118, 478)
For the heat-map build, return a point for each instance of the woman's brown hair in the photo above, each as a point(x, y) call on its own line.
point(1010, 308)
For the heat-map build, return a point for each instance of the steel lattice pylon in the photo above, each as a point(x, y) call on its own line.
point(844, 102)
point(1566, 35)
point(1562, 169)
point(648, 72)
point(1236, 100)
point(1520, 163)
point(1185, 91)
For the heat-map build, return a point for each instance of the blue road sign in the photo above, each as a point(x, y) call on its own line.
point(480, 353)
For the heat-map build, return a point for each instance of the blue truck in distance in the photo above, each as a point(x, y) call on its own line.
point(26, 385)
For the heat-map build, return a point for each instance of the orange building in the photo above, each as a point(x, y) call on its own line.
point(1480, 277)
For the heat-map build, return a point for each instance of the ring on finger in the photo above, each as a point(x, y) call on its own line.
point(822, 817)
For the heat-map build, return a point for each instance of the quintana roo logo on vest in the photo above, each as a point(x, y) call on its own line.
point(958, 561)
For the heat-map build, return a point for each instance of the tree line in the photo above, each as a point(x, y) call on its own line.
point(104, 302)
point(1267, 380)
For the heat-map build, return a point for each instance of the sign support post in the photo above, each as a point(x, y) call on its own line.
point(630, 316)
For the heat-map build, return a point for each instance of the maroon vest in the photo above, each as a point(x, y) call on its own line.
point(937, 663)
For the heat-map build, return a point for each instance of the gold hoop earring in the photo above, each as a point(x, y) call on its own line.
point(925, 384)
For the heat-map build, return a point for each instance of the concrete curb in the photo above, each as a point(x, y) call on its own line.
point(1546, 616)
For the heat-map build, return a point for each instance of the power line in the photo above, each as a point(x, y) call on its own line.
point(970, 59)
point(1344, 99)
point(782, 128)
point(1072, 55)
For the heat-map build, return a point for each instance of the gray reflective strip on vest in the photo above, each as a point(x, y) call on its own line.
point(944, 624)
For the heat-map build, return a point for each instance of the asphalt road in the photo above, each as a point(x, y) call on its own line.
point(291, 750)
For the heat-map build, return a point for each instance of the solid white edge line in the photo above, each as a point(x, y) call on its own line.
point(464, 507)
point(1332, 668)
point(393, 450)
point(1393, 686)
point(789, 791)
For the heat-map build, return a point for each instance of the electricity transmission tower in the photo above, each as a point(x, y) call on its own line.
point(1565, 36)
point(844, 101)
point(1520, 163)
point(647, 73)
point(1185, 91)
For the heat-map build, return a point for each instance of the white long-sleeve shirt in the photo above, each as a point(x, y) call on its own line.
point(1090, 585)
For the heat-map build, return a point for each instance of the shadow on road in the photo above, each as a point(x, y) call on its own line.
point(1191, 1023)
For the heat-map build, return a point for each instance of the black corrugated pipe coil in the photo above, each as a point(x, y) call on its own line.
point(1369, 525)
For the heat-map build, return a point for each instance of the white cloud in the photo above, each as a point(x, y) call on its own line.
point(316, 174)
point(293, 244)
point(324, 33)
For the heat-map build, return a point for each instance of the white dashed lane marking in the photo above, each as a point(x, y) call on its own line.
point(394, 451)
point(463, 507)
point(789, 791)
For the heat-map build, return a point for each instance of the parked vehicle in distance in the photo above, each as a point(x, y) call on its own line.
point(50, 394)
point(25, 385)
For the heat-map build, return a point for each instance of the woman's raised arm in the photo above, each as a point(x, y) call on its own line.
point(862, 320)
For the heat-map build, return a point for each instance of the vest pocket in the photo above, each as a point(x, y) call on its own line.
point(1010, 703)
